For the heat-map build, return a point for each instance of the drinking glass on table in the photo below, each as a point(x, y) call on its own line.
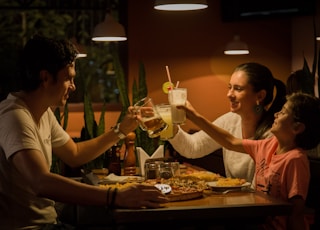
point(151, 170)
point(165, 112)
point(166, 170)
point(149, 118)
point(177, 96)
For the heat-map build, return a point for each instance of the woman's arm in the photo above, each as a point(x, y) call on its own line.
point(194, 145)
point(219, 135)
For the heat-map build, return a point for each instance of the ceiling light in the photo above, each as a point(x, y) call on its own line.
point(79, 47)
point(109, 30)
point(236, 47)
point(180, 5)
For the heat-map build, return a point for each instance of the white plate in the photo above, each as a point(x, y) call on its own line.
point(213, 185)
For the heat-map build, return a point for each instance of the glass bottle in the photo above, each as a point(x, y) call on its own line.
point(114, 161)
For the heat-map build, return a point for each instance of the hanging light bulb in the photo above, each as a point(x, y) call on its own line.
point(109, 30)
point(180, 5)
point(236, 47)
point(80, 48)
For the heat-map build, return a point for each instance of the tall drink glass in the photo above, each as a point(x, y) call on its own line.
point(149, 118)
point(177, 96)
point(165, 112)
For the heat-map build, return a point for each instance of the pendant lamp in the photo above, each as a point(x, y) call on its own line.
point(236, 47)
point(109, 30)
point(180, 5)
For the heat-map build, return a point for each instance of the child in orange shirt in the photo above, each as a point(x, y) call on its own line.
point(282, 167)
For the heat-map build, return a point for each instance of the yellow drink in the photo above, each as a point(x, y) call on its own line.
point(154, 126)
point(165, 112)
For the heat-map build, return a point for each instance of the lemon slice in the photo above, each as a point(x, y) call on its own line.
point(166, 86)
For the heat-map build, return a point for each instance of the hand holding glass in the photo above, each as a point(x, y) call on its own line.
point(149, 118)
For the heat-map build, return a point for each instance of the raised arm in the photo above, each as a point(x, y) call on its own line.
point(221, 136)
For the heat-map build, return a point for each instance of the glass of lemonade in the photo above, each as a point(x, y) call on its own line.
point(177, 96)
point(165, 112)
point(149, 118)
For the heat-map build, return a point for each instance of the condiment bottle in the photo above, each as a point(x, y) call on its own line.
point(129, 163)
point(114, 161)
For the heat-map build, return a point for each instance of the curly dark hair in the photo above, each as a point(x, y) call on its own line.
point(306, 109)
point(261, 78)
point(42, 53)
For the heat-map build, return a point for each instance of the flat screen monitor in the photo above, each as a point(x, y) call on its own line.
point(235, 10)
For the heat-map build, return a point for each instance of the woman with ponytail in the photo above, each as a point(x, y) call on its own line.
point(252, 106)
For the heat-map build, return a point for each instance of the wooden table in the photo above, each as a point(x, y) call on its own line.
point(235, 209)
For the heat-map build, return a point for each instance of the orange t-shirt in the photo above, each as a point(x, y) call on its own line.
point(282, 176)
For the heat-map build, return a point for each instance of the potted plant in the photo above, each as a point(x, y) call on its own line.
point(139, 91)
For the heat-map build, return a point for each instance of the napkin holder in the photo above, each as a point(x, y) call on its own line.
point(143, 156)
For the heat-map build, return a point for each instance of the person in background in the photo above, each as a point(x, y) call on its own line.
point(30, 134)
point(252, 108)
point(281, 162)
point(294, 84)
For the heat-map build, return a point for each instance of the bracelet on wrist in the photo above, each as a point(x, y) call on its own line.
point(117, 131)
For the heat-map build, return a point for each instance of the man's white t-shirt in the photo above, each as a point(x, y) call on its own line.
point(19, 206)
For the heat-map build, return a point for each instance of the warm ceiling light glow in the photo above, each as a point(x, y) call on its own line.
point(109, 30)
point(80, 55)
point(180, 5)
point(81, 48)
point(236, 47)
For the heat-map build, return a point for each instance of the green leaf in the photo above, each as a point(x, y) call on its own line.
point(315, 53)
point(307, 85)
point(65, 116)
point(101, 126)
point(135, 93)
point(88, 115)
point(121, 82)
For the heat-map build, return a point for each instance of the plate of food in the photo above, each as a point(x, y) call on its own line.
point(228, 184)
point(112, 178)
point(202, 175)
point(181, 188)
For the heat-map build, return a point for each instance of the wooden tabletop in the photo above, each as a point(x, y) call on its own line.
point(235, 207)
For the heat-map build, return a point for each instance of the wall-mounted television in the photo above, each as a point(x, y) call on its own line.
point(235, 10)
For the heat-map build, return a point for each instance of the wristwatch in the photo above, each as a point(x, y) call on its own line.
point(117, 131)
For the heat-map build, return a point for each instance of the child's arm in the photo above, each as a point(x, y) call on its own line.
point(221, 136)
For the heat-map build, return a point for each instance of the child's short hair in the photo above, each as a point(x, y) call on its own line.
point(306, 109)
